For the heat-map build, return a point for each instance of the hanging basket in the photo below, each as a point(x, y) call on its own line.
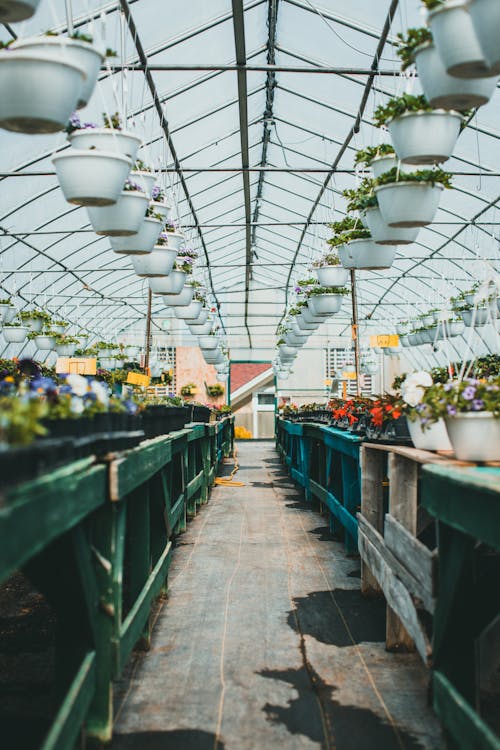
point(15, 334)
point(171, 284)
point(485, 16)
point(287, 352)
point(201, 319)
point(163, 209)
point(200, 330)
point(208, 342)
point(44, 342)
point(175, 240)
point(453, 328)
point(91, 178)
point(59, 329)
point(456, 41)
point(107, 363)
point(122, 142)
point(425, 137)
point(7, 313)
point(293, 340)
point(65, 350)
point(159, 262)
point(37, 93)
point(325, 304)
point(332, 275)
point(433, 438)
point(444, 91)
point(382, 164)
point(142, 242)
point(33, 324)
point(305, 325)
point(73, 51)
point(13, 11)
point(123, 219)
point(366, 255)
point(408, 204)
point(190, 312)
point(309, 317)
point(146, 180)
point(179, 300)
point(474, 436)
point(479, 319)
point(383, 234)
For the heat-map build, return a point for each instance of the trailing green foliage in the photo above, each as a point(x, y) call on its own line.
point(361, 197)
point(409, 43)
point(397, 106)
point(316, 291)
point(431, 176)
point(367, 155)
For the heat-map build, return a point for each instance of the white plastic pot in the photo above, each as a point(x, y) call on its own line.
point(200, 330)
point(58, 329)
point(7, 313)
point(475, 436)
point(91, 178)
point(287, 352)
point(142, 242)
point(37, 93)
point(33, 324)
point(306, 325)
point(433, 438)
point(298, 331)
point(454, 328)
point(383, 234)
point(408, 204)
point(201, 319)
point(479, 319)
point(325, 304)
point(146, 180)
point(332, 275)
point(190, 312)
point(12, 11)
point(163, 209)
point(182, 299)
point(383, 164)
point(159, 262)
point(65, 350)
point(208, 342)
point(309, 317)
point(175, 240)
point(425, 137)
point(212, 356)
point(485, 15)
point(73, 51)
point(171, 284)
point(366, 255)
point(447, 92)
point(107, 363)
point(44, 342)
point(456, 41)
point(15, 334)
point(403, 340)
point(123, 219)
point(106, 139)
point(292, 340)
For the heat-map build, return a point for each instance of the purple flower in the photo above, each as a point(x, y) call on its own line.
point(451, 410)
point(298, 290)
point(469, 393)
point(477, 404)
point(448, 387)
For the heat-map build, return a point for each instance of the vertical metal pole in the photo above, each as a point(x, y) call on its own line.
point(148, 332)
point(69, 17)
point(355, 331)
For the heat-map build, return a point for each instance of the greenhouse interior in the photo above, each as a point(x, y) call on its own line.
point(250, 375)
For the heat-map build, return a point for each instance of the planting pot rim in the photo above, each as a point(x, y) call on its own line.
point(57, 41)
point(422, 47)
point(384, 156)
point(450, 5)
point(86, 153)
point(472, 415)
point(408, 182)
point(430, 113)
point(16, 54)
point(16, 328)
point(105, 131)
point(359, 239)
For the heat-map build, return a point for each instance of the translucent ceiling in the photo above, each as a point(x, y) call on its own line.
point(256, 230)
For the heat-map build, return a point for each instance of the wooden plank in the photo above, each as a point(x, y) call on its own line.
point(372, 505)
point(459, 718)
point(416, 557)
point(335, 506)
point(414, 454)
point(128, 472)
point(396, 594)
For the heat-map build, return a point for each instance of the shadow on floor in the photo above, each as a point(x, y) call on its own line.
point(175, 739)
point(339, 618)
point(316, 715)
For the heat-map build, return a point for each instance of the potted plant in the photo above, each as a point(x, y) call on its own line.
point(110, 137)
point(38, 93)
point(59, 326)
point(171, 284)
point(7, 311)
point(419, 133)
point(143, 242)
point(215, 390)
point(326, 301)
point(410, 199)
point(186, 258)
point(159, 203)
point(34, 320)
point(201, 320)
point(143, 174)
point(383, 234)
point(356, 247)
point(182, 299)
point(425, 434)
point(159, 262)
point(485, 16)
point(173, 237)
point(91, 178)
point(471, 411)
point(380, 158)
point(44, 340)
point(360, 198)
point(188, 390)
point(125, 217)
point(13, 11)
point(191, 312)
point(329, 270)
point(441, 90)
point(455, 38)
point(65, 345)
point(15, 332)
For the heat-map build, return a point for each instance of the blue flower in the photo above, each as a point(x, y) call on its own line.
point(477, 404)
point(469, 393)
point(451, 410)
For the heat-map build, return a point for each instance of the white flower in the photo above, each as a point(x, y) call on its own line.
point(100, 390)
point(76, 405)
point(413, 395)
point(78, 384)
point(418, 378)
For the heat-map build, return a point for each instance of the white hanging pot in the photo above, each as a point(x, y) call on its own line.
point(475, 436)
point(159, 262)
point(15, 334)
point(208, 342)
point(12, 11)
point(211, 356)
point(447, 92)
point(383, 234)
point(37, 93)
point(73, 51)
point(382, 164)
point(58, 329)
point(91, 178)
point(454, 328)
point(175, 240)
point(408, 204)
point(479, 319)
point(146, 180)
point(201, 319)
point(171, 284)
point(485, 16)
point(456, 41)
point(163, 209)
point(432, 438)
point(182, 299)
point(140, 243)
point(107, 363)
point(122, 219)
point(332, 275)
point(293, 340)
point(305, 325)
point(190, 312)
point(65, 350)
point(7, 313)
point(286, 351)
point(425, 137)
point(33, 324)
point(325, 304)
point(297, 330)
point(106, 139)
point(200, 330)
point(44, 342)
point(403, 340)
point(309, 317)
point(366, 255)
point(412, 339)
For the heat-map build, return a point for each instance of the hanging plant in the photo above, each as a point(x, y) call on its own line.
point(125, 217)
point(361, 197)
point(410, 199)
point(111, 136)
point(456, 40)
point(366, 156)
point(485, 16)
point(186, 259)
point(14, 332)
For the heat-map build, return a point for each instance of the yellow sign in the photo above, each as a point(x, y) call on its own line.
point(349, 375)
point(384, 340)
point(77, 365)
point(136, 378)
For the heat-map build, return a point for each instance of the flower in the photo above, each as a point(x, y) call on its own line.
point(78, 384)
point(452, 410)
point(477, 404)
point(101, 392)
point(413, 395)
point(469, 393)
point(422, 378)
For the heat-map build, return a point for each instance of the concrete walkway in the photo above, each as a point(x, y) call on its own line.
point(265, 641)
